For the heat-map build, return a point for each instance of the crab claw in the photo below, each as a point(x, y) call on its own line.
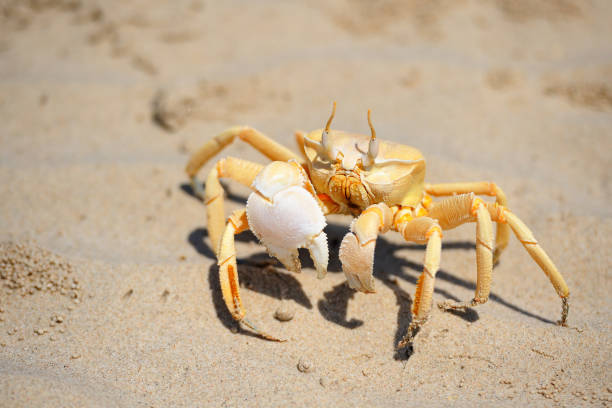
point(357, 248)
point(284, 216)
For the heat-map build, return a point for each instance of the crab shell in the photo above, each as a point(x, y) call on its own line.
point(397, 176)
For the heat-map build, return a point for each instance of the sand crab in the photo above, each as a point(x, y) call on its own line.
point(380, 183)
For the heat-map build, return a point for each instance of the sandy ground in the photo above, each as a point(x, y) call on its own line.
point(109, 292)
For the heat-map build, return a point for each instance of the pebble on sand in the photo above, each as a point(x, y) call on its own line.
point(284, 313)
point(305, 366)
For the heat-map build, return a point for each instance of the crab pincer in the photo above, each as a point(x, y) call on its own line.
point(357, 248)
point(284, 215)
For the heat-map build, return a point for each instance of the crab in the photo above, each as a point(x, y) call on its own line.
point(381, 184)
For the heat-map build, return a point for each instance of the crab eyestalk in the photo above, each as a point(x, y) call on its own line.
point(324, 135)
point(369, 158)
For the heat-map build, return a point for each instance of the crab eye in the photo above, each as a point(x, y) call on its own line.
point(373, 149)
point(369, 158)
point(325, 140)
point(325, 134)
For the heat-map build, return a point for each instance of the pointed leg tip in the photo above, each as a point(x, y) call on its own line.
point(450, 305)
point(413, 329)
point(564, 311)
point(407, 340)
point(462, 306)
point(271, 338)
point(404, 343)
point(260, 333)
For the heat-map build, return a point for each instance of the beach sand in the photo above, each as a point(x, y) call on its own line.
point(109, 289)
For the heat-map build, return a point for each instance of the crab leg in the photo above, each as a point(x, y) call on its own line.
point(457, 210)
point(242, 171)
point(453, 212)
point(480, 188)
point(501, 214)
point(422, 230)
point(228, 272)
point(261, 142)
point(357, 248)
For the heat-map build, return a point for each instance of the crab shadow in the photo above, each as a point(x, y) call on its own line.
point(389, 268)
point(271, 282)
point(258, 272)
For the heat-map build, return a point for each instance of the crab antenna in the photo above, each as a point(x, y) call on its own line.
point(373, 146)
point(324, 139)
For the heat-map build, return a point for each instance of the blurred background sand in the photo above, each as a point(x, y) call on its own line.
point(109, 290)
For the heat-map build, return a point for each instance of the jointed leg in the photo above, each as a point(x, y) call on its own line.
point(451, 213)
point(501, 214)
point(228, 272)
point(457, 210)
point(420, 230)
point(239, 170)
point(479, 188)
point(357, 248)
point(261, 142)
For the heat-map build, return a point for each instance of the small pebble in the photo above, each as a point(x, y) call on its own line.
point(75, 356)
point(52, 338)
point(324, 381)
point(2, 344)
point(305, 366)
point(284, 313)
point(61, 330)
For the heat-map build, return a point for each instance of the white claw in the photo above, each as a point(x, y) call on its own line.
point(319, 254)
point(357, 248)
point(285, 216)
point(357, 263)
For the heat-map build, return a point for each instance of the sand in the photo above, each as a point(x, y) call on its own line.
point(109, 292)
